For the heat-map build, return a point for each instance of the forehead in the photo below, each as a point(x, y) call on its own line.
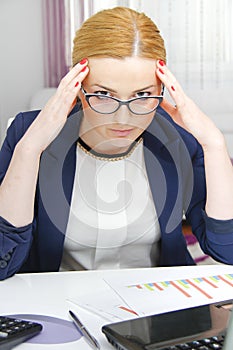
point(129, 73)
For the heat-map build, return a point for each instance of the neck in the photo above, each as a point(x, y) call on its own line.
point(109, 147)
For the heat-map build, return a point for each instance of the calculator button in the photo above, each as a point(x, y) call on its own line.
point(3, 334)
point(215, 346)
point(184, 346)
point(206, 341)
point(15, 331)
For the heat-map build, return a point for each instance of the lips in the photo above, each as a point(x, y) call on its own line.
point(121, 133)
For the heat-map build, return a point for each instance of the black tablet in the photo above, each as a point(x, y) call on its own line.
point(169, 329)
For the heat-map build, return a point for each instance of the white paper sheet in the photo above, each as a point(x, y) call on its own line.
point(150, 292)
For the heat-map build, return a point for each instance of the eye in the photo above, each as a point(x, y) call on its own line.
point(103, 93)
point(143, 94)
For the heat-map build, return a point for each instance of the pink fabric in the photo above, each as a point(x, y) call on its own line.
point(54, 28)
point(192, 242)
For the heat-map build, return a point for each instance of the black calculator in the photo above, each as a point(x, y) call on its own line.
point(14, 331)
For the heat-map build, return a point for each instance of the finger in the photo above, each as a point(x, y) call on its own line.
point(66, 96)
point(81, 76)
point(79, 67)
point(172, 85)
point(78, 72)
point(172, 111)
point(168, 107)
point(166, 75)
point(72, 86)
point(77, 80)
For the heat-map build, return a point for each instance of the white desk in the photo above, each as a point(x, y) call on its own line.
point(47, 294)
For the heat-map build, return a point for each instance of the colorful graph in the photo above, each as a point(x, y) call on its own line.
point(203, 285)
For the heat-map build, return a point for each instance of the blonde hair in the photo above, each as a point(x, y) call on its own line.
point(119, 32)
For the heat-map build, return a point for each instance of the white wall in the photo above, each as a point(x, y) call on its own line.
point(21, 58)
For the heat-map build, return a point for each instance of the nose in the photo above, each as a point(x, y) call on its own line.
point(122, 115)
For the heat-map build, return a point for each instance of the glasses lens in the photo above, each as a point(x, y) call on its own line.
point(144, 105)
point(103, 104)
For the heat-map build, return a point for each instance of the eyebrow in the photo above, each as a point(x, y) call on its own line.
point(111, 90)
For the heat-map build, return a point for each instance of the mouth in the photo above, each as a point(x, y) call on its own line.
point(121, 133)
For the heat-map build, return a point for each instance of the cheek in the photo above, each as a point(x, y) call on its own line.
point(94, 120)
point(143, 122)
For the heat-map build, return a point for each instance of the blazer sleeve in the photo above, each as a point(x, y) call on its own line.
point(215, 236)
point(15, 242)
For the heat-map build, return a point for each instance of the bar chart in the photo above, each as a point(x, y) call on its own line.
point(147, 297)
point(205, 286)
point(152, 291)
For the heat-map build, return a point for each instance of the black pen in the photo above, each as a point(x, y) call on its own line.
point(91, 340)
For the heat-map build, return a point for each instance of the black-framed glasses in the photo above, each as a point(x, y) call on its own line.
point(104, 104)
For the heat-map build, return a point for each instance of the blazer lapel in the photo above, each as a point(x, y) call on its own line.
point(56, 176)
point(163, 152)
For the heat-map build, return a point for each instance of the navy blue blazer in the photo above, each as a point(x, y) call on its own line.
point(175, 168)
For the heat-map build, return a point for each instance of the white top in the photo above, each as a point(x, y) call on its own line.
point(112, 221)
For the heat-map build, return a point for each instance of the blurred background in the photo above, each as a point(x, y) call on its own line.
point(36, 42)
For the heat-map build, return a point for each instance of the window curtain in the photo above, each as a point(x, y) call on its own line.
point(198, 37)
point(56, 36)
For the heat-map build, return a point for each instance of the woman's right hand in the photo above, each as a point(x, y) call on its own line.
point(53, 116)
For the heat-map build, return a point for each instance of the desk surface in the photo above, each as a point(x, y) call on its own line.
point(46, 297)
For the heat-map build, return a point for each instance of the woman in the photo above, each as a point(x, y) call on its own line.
point(104, 182)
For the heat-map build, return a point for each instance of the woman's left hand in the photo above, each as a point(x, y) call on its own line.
point(186, 113)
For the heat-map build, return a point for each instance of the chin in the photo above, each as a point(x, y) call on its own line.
point(121, 142)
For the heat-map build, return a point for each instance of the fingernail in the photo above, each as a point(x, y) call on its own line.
point(161, 63)
point(84, 69)
point(83, 61)
point(77, 84)
point(172, 87)
point(161, 71)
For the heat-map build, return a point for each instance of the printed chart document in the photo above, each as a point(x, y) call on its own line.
point(148, 295)
point(151, 292)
